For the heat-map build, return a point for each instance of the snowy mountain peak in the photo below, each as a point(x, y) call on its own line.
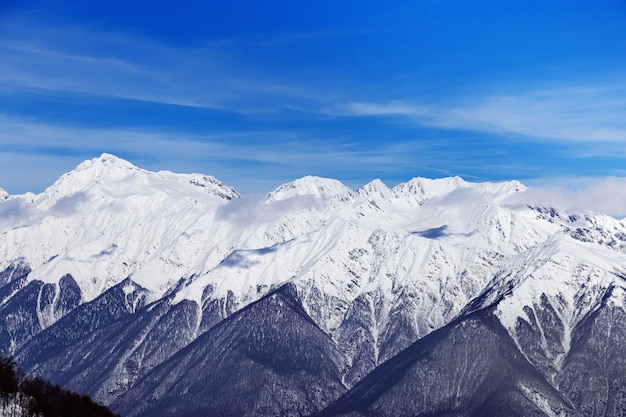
point(91, 173)
point(500, 190)
point(317, 187)
point(3, 194)
point(107, 159)
point(113, 176)
point(375, 188)
point(105, 164)
point(424, 189)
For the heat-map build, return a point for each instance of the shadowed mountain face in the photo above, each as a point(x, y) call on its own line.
point(594, 372)
point(268, 359)
point(104, 346)
point(28, 307)
point(17, 306)
point(470, 367)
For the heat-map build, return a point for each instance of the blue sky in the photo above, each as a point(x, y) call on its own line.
point(260, 93)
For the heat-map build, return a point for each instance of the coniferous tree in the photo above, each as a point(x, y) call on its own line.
point(8, 375)
point(41, 398)
point(9, 381)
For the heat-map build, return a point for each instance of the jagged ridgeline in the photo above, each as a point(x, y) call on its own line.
point(170, 294)
point(25, 396)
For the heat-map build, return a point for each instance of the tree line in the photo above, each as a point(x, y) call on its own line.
point(27, 396)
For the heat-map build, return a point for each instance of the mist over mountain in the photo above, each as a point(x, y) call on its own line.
point(169, 294)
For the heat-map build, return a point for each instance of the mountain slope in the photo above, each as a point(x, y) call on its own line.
point(268, 359)
point(104, 346)
point(554, 345)
point(470, 367)
point(593, 374)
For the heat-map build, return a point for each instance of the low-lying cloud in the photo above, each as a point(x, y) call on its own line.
point(14, 208)
point(20, 209)
point(68, 205)
point(252, 210)
point(600, 196)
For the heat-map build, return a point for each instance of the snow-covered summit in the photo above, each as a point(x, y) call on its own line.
point(417, 189)
point(424, 189)
point(427, 188)
point(375, 188)
point(105, 160)
point(317, 187)
point(117, 178)
point(3, 194)
point(93, 171)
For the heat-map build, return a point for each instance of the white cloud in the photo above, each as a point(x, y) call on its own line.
point(251, 210)
point(68, 205)
point(594, 114)
point(598, 195)
point(393, 108)
point(14, 209)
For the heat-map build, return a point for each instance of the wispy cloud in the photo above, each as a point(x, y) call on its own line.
point(594, 114)
point(83, 60)
point(82, 73)
point(393, 108)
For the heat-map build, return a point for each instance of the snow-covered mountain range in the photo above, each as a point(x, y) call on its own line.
point(128, 284)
